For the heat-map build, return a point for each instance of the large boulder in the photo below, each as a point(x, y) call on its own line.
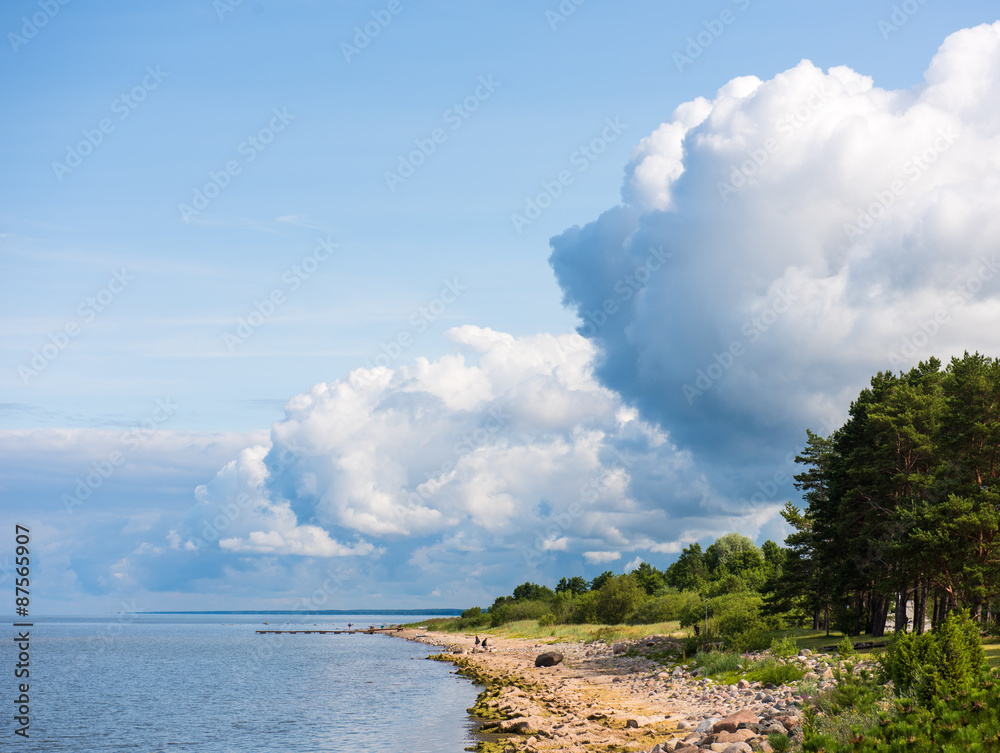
point(548, 659)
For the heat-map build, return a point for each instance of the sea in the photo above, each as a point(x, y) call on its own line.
point(211, 684)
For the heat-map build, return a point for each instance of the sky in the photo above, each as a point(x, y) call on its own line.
point(342, 305)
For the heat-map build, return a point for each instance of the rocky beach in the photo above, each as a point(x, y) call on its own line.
point(603, 696)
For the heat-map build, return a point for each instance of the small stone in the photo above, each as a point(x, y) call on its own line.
point(631, 724)
point(619, 648)
point(738, 748)
point(805, 652)
point(743, 684)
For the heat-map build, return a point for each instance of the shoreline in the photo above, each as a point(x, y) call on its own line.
point(603, 695)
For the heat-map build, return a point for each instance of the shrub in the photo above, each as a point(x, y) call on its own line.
point(967, 720)
point(845, 648)
point(784, 647)
point(617, 599)
point(774, 672)
point(501, 614)
point(663, 608)
point(747, 640)
point(716, 663)
point(472, 618)
point(938, 663)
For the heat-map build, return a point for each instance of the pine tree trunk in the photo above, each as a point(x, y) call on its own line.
point(919, 608)
point(901, 599)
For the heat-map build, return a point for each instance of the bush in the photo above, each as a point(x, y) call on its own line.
point(845, 648)
point(663, 608)
point(472, 618)
point(747, 640)
point(617, 599)
point(968, 720)
point(501, 614)
point(784, 647)
point(939, 663)
point(774, 672)
point(717, 663)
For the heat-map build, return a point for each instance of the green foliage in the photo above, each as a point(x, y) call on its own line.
point(770, 670)
point(968, 719)
point(601, 579)
point(690, 571)
point(547, 619)
point(472, 618)
point(617, 599)
point(718, 663)
point(518, 610)
point(846, 648)
point(532, 592)
point(938, 663)
point(784, 647)
point(780, 743)
point(664, 608)
point(575, 586)
point(747, 640)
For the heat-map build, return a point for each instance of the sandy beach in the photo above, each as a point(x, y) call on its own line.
point(603, 695)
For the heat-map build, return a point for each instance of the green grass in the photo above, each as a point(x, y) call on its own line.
point(531, 630)
point(992, 648)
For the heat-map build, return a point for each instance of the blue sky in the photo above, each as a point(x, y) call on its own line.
point(176, 338)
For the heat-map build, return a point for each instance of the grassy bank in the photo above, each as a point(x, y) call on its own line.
point(815, 640)
point(532, 630)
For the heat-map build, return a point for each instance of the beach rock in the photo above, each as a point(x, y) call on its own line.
point(805, 652)
point(743, 685)
point(739, 736)
point(548, 659)
point(619, 648)
point(707, 726)
point(732, 723)
point(738, 748)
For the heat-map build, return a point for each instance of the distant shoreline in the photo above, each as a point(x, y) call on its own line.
point(315, 612)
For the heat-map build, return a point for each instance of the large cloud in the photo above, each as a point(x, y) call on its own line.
point(508, 453)
point(781, 243)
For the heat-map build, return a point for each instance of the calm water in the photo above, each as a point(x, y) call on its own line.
point(210, 684)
